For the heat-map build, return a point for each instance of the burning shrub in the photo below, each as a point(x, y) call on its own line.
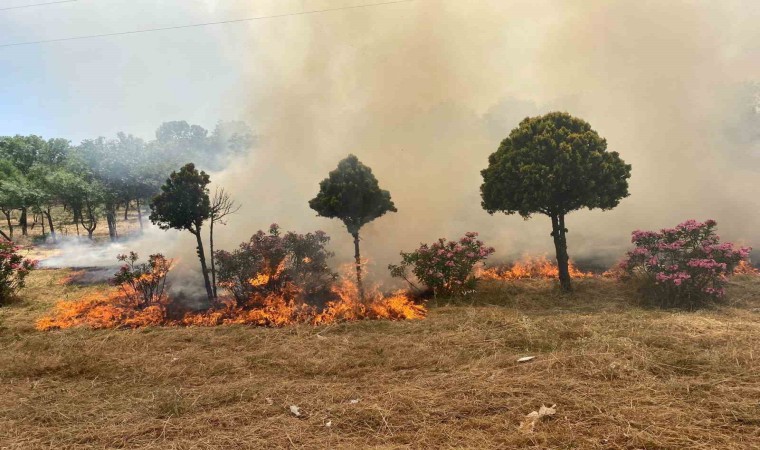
point(268, 263)
point(13, 270)
point(144, 283)
point(685, 265)
point(446, 267)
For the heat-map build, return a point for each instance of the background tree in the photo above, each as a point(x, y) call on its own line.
point(352, 194)
point(222, 206)
point(184, 204)
point(552, 165)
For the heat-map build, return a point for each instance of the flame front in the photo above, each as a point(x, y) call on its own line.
point(529, 267)
point(114, 309)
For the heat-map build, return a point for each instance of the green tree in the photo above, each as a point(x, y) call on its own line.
point(352, 194)
point(552, 165)
point(184, 204)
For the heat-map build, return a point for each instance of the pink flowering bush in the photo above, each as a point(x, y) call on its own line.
point(446, 267)
point(13, 269)
point(685, 265)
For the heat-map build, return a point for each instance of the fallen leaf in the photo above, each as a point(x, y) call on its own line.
point(269, 401)
point(328, 424)
point(534, 417)
point(526, 359)
point(295, 410)
point(354, 401)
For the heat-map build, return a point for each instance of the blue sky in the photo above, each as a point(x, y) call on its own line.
point(80, 89)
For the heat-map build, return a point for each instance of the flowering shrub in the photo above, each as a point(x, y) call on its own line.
point(446, 267)
point(144, 283)
point(13, 269)
point(271, 263)
point(684, 265)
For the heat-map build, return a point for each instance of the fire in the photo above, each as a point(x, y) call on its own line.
point(530, 267)
point(745, 268)
point(115, 309)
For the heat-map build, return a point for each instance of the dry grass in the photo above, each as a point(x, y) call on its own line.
point(621, 376)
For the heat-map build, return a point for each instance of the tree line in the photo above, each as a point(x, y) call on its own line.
point(52, 182)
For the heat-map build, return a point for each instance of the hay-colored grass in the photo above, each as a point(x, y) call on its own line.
point(622, 377)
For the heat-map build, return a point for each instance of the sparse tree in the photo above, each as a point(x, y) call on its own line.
point(222, 206)
point(184, 204)
point(352, 194)
point(552, 165)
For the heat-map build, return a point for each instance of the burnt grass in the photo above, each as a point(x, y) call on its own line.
point(622, 376)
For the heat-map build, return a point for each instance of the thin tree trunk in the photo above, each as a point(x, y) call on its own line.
point(111, 220)
point(5, 236)
point(213, 265)
point(560, 245)
point(50, 223)
point(358, 259)
point(43, 227)
point(126, 210)
point(204, 269)
point(23, 222)
point(7, 214)
point(139, 214)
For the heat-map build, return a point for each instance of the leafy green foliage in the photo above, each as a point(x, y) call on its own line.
point(352, 194)
point(13, 270)
point(553, 164)
point(183, 203)
point(445, 267)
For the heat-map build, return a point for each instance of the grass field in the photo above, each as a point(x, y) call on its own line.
point(622, 377)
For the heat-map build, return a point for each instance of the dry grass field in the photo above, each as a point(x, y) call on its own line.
point(621, 376)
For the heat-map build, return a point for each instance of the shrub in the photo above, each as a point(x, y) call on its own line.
point(446, 267)
point(683, 266)
point(272, 263)
point(144, 283)
point(13, 270)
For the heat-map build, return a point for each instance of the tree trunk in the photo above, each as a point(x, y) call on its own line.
point(43, 227)
point(23, 222)
point(358, 259)
point(7, 213)
point(202, 258)
point(111, 220)
point(213, 265)
point(126, 210)
point(5, 236)
point(139, 213)
point(560, 245)
point(50, 223)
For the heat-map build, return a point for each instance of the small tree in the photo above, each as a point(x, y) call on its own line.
point(552, 165)
point(184, 204)
point(222, 206)
point(352, 194)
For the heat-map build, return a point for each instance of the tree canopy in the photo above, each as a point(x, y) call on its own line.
point(352, 194)
point(552, 165)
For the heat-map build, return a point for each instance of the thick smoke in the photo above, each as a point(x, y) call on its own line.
point(424, 91)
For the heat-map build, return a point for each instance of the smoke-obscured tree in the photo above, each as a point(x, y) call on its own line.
point(184, 204)
point(352, 194)
point(552, 165)
point(222, 206)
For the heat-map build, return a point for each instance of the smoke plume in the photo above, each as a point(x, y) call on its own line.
point(424, 91)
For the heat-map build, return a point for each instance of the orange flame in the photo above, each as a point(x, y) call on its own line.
point(529, 267)
point(745, 268)
point(114, 309)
